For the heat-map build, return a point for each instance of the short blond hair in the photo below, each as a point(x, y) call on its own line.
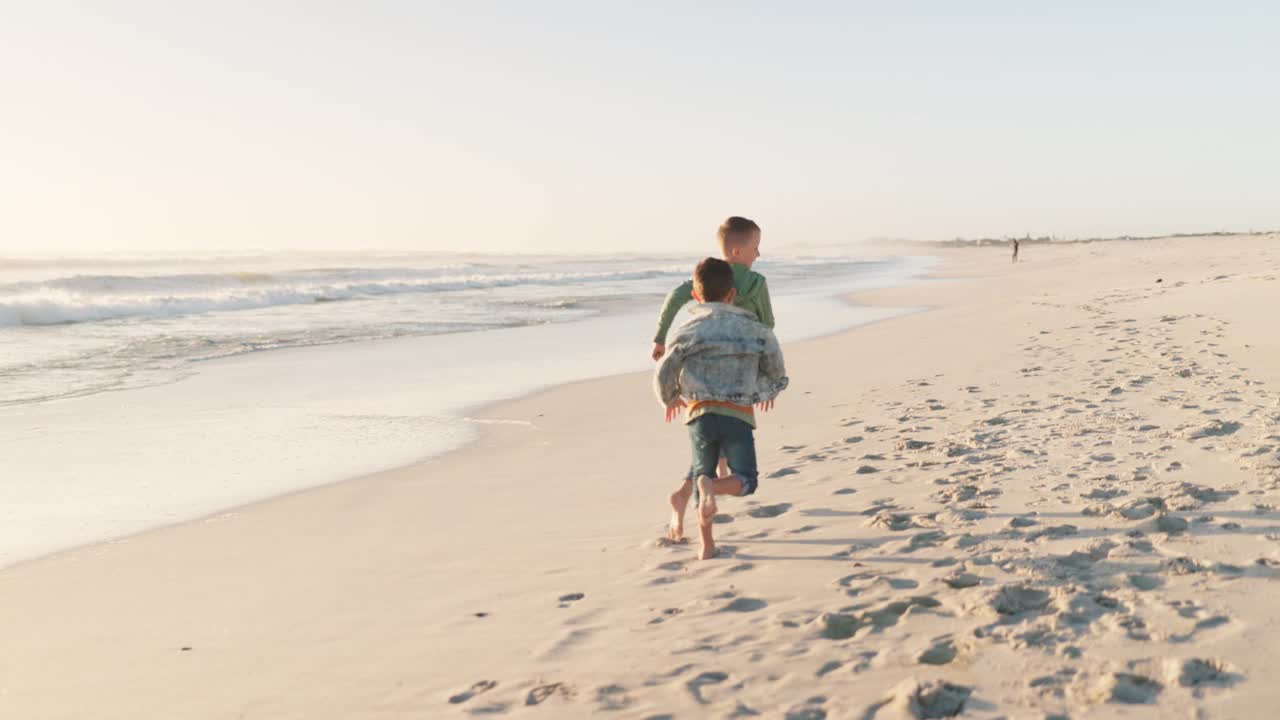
point(734, 231)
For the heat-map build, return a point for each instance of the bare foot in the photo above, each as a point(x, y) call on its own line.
point(707, 500)
point(679, 501)
point(709, 549)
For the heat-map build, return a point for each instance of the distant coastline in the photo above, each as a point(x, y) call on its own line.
point(1055, 240)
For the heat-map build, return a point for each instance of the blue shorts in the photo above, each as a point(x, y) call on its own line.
point(713, 435)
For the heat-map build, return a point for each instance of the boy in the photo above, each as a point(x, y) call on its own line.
point(739, 240)
point(723, 361)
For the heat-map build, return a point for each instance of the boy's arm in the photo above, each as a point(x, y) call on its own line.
point(676, 299)
point(773, 371)
point(666, 378)
point(764, 311)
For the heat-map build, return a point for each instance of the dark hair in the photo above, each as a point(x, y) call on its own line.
point(736, 227)
point(713, 279)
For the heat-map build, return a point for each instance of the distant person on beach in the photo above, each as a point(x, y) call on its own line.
point(739, 240)
point(720, 364)
point(1015, 249)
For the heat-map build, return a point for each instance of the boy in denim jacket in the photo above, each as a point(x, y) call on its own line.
point(719, 364)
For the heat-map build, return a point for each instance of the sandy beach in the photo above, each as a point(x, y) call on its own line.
point(1053, 493)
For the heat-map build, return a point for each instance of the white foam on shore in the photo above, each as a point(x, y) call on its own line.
point(247, 428)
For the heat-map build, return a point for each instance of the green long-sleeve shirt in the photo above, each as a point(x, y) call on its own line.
point(753, 296)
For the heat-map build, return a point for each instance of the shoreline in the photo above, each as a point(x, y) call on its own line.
point(460, 417)
point(525, 562)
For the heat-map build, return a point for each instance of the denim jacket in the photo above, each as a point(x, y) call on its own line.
point(722, 353)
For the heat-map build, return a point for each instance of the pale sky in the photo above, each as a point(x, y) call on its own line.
point(624, 126)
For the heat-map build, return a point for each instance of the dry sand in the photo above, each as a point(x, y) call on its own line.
point(1054, 494)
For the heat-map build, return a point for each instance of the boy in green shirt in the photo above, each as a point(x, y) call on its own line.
point(739, 240)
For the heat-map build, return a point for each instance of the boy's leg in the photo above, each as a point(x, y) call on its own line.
point(738, 445)
point(722, 470)
point(679, 501)
point(706, 451)
point(708, 488)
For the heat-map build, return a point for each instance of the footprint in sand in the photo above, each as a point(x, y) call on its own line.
point(769, 511)
point(924, 540)
point(782, 473)
point(479, 688)
point(864, 660)
point(566, 600)
point(1053, 686)
point(660, 679)
point(877, 582)
point(745, 605)
point(1018, 599)
point(1053, 532)
point(1130, 689)
point(1209, 623)
point(612, 697)
point(1104, 493)
point(933, 699)
point(667, 614)
point(541, 693)
point(828, 667)
point(898, 583)
point(940, 652)
point(1141, 508)
point(1217, 428)
point(1171, 524)
point(894, 521)
point(961, 580)
point(703, 680)
point(848, 580)
point(829, 513)
point(1198, 674)
point(1181, 566)
point(842, 626)
point(811, 709)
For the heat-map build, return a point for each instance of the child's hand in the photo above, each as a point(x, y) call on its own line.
point(765, 406)
point(674, 410)
point(658, 351)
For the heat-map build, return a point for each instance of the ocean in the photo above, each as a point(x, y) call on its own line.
point(138, 391)
point(72, 327)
